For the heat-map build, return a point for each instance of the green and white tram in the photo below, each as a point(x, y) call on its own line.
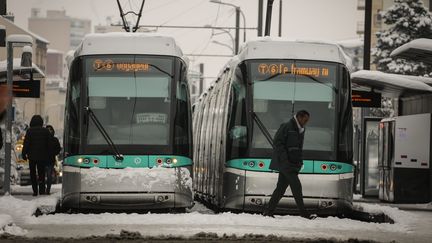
point(128, 136)
point(257, 91)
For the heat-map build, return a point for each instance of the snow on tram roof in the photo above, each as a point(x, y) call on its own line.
point(128, 43)
point(281, 48)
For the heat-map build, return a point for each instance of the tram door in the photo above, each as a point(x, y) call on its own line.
point(369, 161)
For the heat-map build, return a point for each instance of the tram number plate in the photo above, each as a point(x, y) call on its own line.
point(151, 118)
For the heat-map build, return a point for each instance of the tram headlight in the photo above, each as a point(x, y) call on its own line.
point(168, 161)
point(80, 160)
point(174, 161)
point(251, 164)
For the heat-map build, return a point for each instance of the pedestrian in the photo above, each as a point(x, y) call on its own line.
point(288, 160)
point(55, 150)
point(37, 150)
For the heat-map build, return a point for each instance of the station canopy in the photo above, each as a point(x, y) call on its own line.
point(390, 85)
point(419, 50)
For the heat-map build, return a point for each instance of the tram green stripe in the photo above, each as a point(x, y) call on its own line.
point(309, 166)
point(130, 161)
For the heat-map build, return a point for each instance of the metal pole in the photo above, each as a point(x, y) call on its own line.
point(237, 32)
point(280, 18)
point(8, 134)
point(367, 34)
point(244, 25)
point(260, 17)
point(201, 80)
point(268, 17)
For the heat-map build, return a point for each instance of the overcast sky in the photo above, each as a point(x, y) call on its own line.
point(302, 19)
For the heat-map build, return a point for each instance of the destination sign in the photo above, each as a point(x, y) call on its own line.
point(108, 65)
point(365, 99)
point(280, 68)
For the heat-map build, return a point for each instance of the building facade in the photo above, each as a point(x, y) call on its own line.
point(65, 33)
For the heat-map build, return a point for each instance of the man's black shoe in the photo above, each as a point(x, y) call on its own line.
point(35, 194)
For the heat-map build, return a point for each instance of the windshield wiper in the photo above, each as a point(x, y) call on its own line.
point(161, 70)
point(117, 155)
point(262, 128)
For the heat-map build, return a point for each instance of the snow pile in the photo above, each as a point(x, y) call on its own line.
point(144, 178)
point(420, 44)
point(19, 210)
point(12, 229)
point(5, 220)
point(402, 219)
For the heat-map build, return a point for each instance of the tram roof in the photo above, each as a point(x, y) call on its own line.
point(280, 48)
point(128, 43)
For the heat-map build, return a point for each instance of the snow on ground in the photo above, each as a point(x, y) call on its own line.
point(230, 220)
point(17, 218)
point(20, 212)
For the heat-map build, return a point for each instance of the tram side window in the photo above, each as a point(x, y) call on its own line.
point(237, 136)
point(183, 117)
point(72, 138)
point(345, 125)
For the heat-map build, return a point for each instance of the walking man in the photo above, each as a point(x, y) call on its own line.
point(37, 150)
point(288, 160)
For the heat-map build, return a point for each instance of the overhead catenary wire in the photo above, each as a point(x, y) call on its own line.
point(182, 13)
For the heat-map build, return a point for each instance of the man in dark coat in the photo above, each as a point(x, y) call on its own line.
point(37, 150)
point(287, 159)
point(55, 150)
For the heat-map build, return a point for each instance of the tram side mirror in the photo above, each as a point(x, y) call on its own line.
point(238, 132)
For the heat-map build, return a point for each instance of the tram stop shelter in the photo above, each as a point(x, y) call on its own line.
point(403, 178)
point(20, 73)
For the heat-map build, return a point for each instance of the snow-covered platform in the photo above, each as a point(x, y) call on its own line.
point(17, 218)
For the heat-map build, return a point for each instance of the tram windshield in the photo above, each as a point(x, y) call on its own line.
point(281, 88)
point(130, 95)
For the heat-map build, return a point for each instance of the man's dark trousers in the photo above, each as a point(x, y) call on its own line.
point(287, 178)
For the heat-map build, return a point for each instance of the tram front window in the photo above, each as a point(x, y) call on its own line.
point(281, 88)
point(131, 98)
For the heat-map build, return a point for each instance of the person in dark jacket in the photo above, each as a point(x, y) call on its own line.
point(287, 159)
point(37, 150)
point(55, 150)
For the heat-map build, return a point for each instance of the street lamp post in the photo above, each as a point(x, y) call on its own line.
point(12, 41)
point(238, 13)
